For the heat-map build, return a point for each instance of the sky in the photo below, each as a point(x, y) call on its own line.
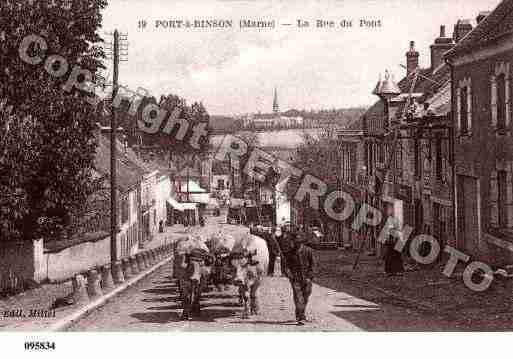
point(234, 71)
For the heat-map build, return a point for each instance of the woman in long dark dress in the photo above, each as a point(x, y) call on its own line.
point(393, 258)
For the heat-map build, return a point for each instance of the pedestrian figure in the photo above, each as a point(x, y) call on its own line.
point(393, 258)
point(274, 251)
point(298, 263)
point(284, 245)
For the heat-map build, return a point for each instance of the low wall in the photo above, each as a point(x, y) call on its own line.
point(21, 263)
point(64, 264)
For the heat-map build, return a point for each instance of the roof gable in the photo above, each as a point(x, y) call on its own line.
point(129, 174)
point(497, 24)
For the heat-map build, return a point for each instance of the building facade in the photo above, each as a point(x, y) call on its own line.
point(408, 146)
point(352, 175)
point(481, 91)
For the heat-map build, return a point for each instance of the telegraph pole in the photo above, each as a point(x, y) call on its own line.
point(113, 149)
point(113, 155)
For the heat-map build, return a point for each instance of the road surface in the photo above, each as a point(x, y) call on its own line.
point(336, 305)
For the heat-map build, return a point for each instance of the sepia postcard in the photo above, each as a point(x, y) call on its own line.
point(255, 166)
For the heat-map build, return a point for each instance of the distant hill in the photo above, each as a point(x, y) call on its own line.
point(341, 117)
point(223, 123)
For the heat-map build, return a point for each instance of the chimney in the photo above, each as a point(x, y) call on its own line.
point(441, 45)
point(462, 28)
point(481, 16)
point(412, 59)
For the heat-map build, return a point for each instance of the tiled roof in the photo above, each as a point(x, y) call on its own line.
point(129, 174)
point(428, 88)
point(374, 115)
point(440, 102)
point(497, 24)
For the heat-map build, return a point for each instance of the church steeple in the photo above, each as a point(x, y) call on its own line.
point(276, 107)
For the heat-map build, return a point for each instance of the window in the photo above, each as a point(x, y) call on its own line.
point(464, 107)
point(370, 165)
point(381, 153)
point(399, 159)
point(439, 159)
point(125, 207)
point(501, 101)
point(417, 159)
point(501, 200)
point(346, 164)
point(463, 110)
point(353, 164)
point(500, 84)
point(220, 184)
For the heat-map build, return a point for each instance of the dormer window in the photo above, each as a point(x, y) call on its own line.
point(500, 97)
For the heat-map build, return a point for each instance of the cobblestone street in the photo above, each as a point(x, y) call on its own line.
point(153, 305)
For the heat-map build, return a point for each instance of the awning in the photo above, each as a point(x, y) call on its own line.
point(176, 205)
point(194, 187)
point(200, 197)
point(188, 205)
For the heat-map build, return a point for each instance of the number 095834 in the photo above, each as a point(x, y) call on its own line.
point(39, 345)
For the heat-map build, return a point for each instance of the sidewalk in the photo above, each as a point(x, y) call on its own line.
point(425, 289)
point(44, 296)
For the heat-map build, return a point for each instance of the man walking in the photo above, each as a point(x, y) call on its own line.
point(284, 243)
point(298, 263)
point(274, 250)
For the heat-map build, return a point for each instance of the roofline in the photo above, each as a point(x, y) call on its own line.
point(350, 132)
point(482, 51)
point(106, 177)
point(149, 174)
point(455, 52)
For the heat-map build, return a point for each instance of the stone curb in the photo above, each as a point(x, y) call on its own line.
point(69, 320)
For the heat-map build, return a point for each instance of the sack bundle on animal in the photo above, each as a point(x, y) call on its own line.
point(191, 268)
point(250, 258)
point(221, 244)
point(186, 244)
point(185, 247)
point(254, 248)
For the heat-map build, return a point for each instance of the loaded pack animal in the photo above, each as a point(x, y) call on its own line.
point(249, 258)
point(191, 268)
point(220, 246)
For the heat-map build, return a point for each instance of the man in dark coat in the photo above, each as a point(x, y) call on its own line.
point(274, 251)
point(298, 263)
point(283, 240)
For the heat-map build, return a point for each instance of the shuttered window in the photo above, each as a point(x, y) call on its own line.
point(502, 197)
point(463, 110)
point(501, 101)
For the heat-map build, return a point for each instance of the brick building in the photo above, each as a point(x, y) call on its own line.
point(418, 180)
point(481, 88)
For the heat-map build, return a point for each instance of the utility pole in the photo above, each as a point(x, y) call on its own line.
point(188, 177)
point(113, 155)
point(113, 149)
